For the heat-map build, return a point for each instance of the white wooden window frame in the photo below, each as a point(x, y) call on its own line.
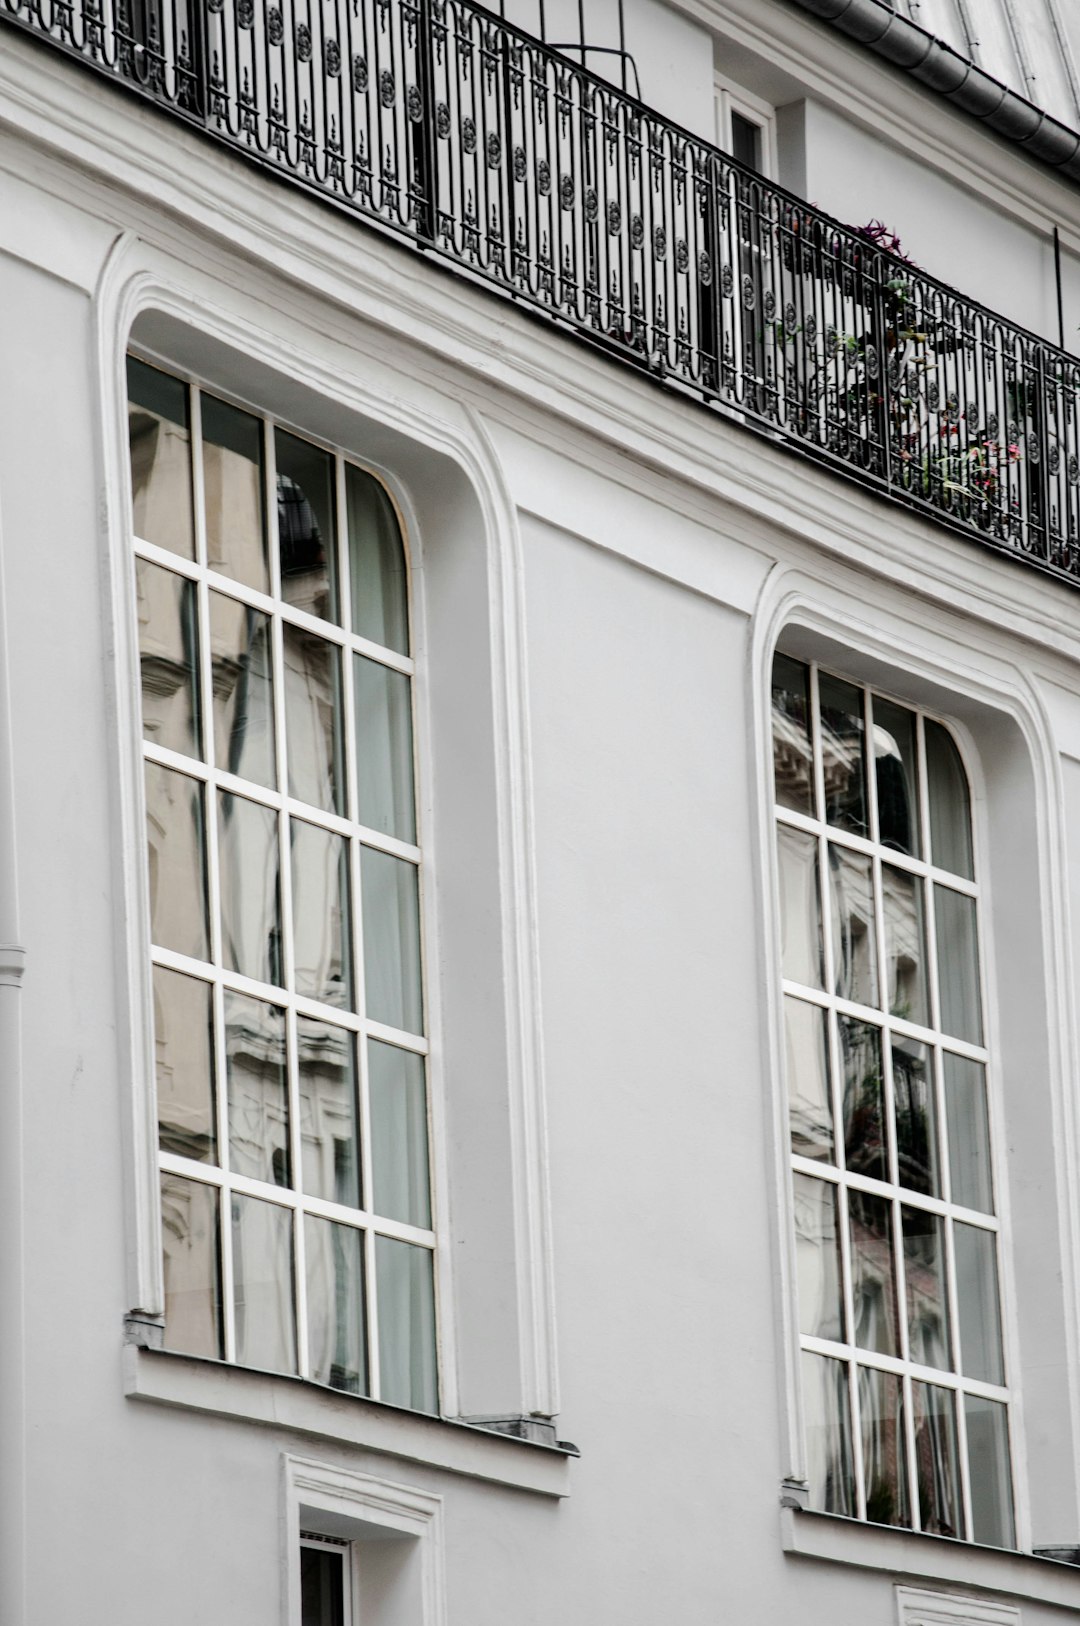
point(937, 1041)
point(733, 98)
point(359, 1508)
point(213, 972)
point(344, 1549)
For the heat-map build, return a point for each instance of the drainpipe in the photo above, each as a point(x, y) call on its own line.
point(938, 66)
point(13, 1484)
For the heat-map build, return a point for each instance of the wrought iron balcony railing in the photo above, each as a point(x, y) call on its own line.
point(476, 142)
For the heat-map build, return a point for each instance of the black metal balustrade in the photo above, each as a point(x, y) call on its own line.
point(441, 122)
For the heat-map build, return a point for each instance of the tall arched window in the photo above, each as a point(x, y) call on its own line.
point(904, 1386)
point(285, 919)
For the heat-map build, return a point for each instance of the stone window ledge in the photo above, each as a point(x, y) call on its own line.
point(907, 1556)
point(294, 1406)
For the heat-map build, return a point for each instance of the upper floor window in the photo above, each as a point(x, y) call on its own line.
point(285, 918)
point(746, 127)
point(904, 1384)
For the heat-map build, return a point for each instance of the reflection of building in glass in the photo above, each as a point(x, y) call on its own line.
point(881, 1224)
point(273, 1099)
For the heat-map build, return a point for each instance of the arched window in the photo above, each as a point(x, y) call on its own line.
point(284, 870)
point(904, 1385)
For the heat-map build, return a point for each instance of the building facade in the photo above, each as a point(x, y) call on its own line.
point(539, 780)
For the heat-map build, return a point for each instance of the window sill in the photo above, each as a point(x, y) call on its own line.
point(303, 1408)
point(905, 1555)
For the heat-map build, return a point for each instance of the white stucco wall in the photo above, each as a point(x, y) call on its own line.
point(651, 547)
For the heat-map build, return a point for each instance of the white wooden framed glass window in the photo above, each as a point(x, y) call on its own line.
point(746, 127)
point(325, 1580)
point(285, 898)
point(905, 1392)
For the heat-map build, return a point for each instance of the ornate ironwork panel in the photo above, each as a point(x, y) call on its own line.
point(440, 122)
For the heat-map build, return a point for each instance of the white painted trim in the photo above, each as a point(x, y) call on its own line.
point(131, 899)
point(289, 1405)
point(371, 1507)
point(521, 940)
point(915, 1607)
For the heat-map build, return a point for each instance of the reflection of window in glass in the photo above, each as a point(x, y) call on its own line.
point(284, 871)
point(905, 1401)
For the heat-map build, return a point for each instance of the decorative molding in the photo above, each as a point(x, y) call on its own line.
point(363, 1508)
point(915, 1607)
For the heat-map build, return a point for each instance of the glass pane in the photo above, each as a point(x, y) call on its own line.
point(851, 889)
point(334, 1266)
point(905, 944)
point(384, 750)
point(306, 530)
point(977, 1304)
point(873, 1273)
point(406, 1299)
point(827, 1419)
point(989, 1472)
point(322, 1587)
point(321, 916)
point(745, 141)
point(168, 658)
point(936, 1460)
point(809, 1102)
point(233, 482)
point(950, 803)
point(250, 898)
point(329, 1117)
point(817, 1257)
point(865, 1146)
point(842, 753)
point(927, 1304)
point(159, 440)
point(391, 907)
point(189, 1231)
point(184, 1065)
point(896, 768)
point(176, 852)
point(399, 1134)
point(793, 757)
point(958, 964)
point(969, 1133)
point(313, 719)
point(380, 602)
point(242, 672)
point(881, 1417)
point(917, 1159)
point(258, 1091)
point(263, 1285)
point(800, 907)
